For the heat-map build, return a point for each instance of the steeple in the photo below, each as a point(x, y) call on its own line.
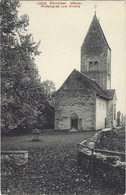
point(96, 55)
point(95, 8)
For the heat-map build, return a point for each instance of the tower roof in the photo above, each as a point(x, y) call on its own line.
point(95, 38)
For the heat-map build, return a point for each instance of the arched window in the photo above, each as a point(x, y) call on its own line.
point(96, 65)
point(91, 65)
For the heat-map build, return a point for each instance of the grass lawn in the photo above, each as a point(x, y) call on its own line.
point(52, 167)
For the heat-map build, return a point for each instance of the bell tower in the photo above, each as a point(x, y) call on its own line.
point(96, 55)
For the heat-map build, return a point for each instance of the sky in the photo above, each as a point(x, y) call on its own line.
point(62, 30)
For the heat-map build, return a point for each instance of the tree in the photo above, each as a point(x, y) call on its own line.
point(49, 89)
point(48, 109)
point(22, 91)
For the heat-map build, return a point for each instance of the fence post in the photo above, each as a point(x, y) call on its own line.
point(79, 156)
point(92, 165)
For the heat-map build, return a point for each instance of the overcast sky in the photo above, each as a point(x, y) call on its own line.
point(62, 31)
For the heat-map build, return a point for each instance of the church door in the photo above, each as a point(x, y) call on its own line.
point(74, 124)
point(74, 121)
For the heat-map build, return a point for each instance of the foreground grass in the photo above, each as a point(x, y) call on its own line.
point(52, 167)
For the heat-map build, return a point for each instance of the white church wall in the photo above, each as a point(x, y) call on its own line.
point(100, 113)
point(111, 112)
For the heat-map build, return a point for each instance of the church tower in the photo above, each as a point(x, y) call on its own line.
point(96, 55)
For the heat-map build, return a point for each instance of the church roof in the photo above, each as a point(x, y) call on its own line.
point(95, 36)
point(110, 93)
point(90, 82)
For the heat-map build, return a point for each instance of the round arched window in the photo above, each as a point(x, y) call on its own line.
point(96, 65)
point(90, 65)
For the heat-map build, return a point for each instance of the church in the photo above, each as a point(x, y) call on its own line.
point(85, 101)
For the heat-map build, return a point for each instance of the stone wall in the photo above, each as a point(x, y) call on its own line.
point(104, 169)
point(13, 162)
point(105, 164)
point(95, 49)
point(108, 69)
point(75, 97)
point(14, 157)
point(111, 113)
point(103, 75)
point(76, 102)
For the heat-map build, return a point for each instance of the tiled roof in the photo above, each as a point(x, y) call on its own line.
point(95, 18)
point(95, 23)
point(90, 82)
point(93, 84)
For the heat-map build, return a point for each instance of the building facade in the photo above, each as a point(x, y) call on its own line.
point(96, 55)
point(86, 101)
